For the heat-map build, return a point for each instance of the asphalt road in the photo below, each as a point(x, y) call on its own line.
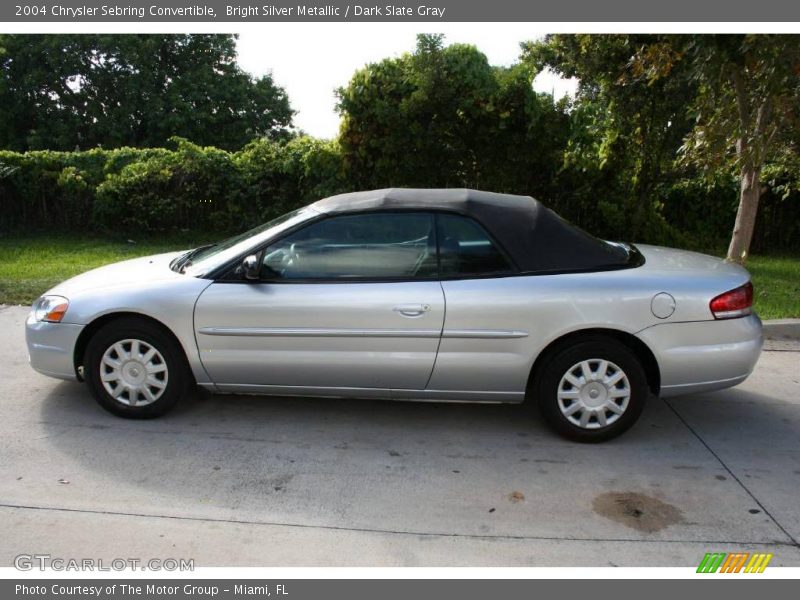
point(247, 481)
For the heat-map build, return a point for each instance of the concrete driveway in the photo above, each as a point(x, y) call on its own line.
point(246, 481)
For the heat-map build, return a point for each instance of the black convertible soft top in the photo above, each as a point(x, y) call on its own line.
point(535, 237)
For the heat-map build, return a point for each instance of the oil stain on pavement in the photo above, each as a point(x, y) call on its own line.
point(637, 511)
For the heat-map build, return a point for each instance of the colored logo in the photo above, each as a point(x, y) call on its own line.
point(734, 562)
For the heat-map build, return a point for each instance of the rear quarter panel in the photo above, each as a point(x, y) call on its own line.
point(547, 307)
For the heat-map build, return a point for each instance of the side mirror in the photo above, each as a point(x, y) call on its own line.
point(251, 267)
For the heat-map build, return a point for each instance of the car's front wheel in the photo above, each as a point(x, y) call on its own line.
point(591, 391)
point(135, 369)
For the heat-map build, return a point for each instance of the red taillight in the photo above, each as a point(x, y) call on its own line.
point(736, 303)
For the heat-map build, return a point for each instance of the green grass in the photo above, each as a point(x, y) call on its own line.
point(776, 281)
point(30, 265)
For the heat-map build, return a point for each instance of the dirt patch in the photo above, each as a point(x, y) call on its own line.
point(516, 497)
point(637, 511)
point(279, 483)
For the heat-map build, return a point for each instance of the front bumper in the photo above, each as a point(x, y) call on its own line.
point(51, 347)
point(706, 355)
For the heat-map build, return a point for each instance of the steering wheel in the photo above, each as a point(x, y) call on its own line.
point(292, 256)
point(279, 259)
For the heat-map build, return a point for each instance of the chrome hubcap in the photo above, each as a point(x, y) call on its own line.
point(133, 372)
point(594, 393)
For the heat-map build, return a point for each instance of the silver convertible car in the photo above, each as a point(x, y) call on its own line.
point(403, 294)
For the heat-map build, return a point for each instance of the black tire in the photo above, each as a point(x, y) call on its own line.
point(545, 388)
point(176, 377)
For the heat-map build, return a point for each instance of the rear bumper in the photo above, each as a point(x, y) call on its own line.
point(51, 347)
point(706, 355)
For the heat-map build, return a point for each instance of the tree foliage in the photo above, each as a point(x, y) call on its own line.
point(623, 134)
point(650, 150)
point(725, 106)
point(444, 117)
point(65, 92)
point(746, 109)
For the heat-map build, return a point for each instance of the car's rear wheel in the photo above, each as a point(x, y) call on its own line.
point(135, 369)
point(592, 390)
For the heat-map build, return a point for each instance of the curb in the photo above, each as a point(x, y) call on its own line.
point(782, 329)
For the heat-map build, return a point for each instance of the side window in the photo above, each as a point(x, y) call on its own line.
point(379, 245)
point(465, 249)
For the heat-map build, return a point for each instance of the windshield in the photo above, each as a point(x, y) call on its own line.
point(202, 260)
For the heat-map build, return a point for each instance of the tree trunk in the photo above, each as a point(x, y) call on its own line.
point(749, 195)
point(751, 150)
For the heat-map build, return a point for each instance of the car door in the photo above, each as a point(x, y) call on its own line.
point(348, 305)
point(484, 353)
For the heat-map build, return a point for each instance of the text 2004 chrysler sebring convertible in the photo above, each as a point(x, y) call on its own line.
point(451, 295)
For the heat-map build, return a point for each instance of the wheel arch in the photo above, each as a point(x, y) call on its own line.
point(637, 346)
point(94, 326)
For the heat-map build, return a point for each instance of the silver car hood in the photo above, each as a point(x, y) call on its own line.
point(138, 270)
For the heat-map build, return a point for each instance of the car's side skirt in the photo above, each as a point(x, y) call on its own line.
point(370, 393)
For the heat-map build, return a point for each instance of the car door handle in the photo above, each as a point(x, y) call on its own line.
point(412, 310)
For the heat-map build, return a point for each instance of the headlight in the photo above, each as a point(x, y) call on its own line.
point(50, 308)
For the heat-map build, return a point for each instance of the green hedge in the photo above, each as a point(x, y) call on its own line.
point(143, 192)
point(188, 187)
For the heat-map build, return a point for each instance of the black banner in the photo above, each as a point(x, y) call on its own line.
point(403, 589)
point(399, 11)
